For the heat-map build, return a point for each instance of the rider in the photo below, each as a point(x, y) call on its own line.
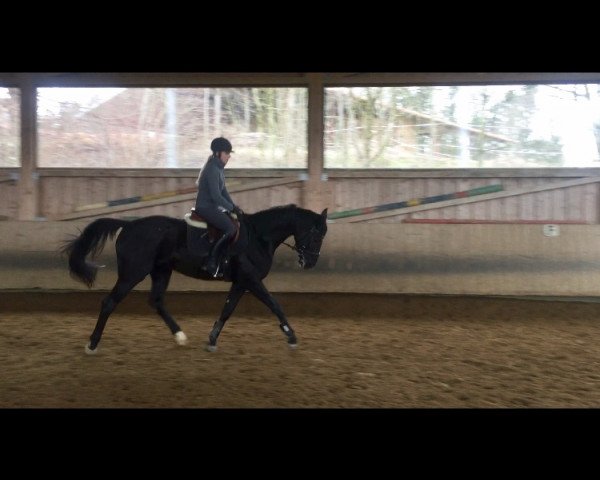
point(213, 201)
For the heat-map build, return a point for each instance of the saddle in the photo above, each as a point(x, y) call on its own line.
point(201, 236)
point(196, 221)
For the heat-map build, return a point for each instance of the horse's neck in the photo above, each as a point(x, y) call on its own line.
point(277, 232)
point(280, 233)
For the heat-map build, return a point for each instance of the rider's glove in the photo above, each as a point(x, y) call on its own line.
point(238, 211)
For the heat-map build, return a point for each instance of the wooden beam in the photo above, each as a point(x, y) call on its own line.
point(165, 172)
point(316, 107)
point(339, 79)
point(175, 199)
point(169, 79)
point(314, 195)
point(249, 79)
point(28, 180)
point(463, 201)
point(382, 174)
point(332, 173)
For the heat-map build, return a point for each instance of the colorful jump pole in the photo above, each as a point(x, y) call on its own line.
point(136, 199)
point(416, 201)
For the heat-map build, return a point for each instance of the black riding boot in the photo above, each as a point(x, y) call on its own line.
point(212, 264)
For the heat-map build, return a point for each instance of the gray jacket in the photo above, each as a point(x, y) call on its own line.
point(212, 192)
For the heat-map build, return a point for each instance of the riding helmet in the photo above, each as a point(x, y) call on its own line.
point(221, 144)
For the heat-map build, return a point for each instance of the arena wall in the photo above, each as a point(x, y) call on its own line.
point(478, 259)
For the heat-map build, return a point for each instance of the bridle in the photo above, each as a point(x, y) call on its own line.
point(302, 250)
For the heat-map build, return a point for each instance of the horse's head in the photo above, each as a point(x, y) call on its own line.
point(309, 235)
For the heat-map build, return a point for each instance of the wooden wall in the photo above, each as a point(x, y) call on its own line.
point(9, 195)
point(378, 256)
point(576, 204)
point(387, 258)
point(62, 192)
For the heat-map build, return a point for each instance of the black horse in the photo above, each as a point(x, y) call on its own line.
point(157, 245)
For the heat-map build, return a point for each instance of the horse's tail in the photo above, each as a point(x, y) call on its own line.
point(90, 241)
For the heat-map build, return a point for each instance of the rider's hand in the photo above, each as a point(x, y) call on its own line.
point(238, 211)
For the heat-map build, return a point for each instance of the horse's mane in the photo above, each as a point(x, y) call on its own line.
point(267, 219)
point(278, 210)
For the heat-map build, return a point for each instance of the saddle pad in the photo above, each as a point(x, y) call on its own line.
point(189, 219)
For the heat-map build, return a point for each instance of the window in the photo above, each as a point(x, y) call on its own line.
point(171, 127)
point(500, 126)
point(10, 130)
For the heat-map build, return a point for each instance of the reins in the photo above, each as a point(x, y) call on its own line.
point(302, 250)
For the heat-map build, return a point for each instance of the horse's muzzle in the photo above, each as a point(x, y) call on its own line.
point(307, 260)
point(301, 261)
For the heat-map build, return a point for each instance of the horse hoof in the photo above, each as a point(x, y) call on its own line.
point(89, 351)
point(211, 348)
point(293, 346)
point(181, 338)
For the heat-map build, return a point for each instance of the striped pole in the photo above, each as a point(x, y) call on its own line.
point(142, 198)
point(137, 198)
point(416, 201)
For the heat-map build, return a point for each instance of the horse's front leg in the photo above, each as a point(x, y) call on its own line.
point(235, 293)
point(260, 291)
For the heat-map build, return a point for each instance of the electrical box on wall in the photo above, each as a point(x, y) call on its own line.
point(551, 230)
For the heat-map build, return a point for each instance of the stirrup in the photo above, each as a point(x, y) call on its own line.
point(216, 273)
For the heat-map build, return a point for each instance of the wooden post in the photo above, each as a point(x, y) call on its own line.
point(28, 180)
point(315, 195)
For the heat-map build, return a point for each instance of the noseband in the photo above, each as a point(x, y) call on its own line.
point(302, 250)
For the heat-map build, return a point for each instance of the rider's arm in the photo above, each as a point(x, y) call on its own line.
point(225, 194)
point(212, 182)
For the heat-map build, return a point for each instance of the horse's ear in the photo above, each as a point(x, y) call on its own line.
point(324, 213)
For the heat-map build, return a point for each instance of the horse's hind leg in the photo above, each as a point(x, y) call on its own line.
point(110, 302)
point(261, 292)
point(235, 293)
point(160, 282)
